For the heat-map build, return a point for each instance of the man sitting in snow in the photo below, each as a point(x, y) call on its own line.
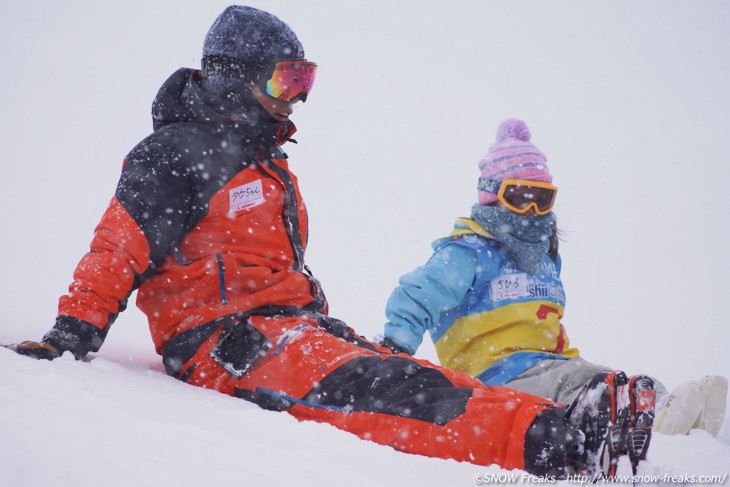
point(208, 225)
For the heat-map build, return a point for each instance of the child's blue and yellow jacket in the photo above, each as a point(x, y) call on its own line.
point(485, 316)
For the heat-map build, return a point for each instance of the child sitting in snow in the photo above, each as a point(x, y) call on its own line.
point(492, 299)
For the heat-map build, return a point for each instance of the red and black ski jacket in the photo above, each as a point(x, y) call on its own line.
point(207, 221)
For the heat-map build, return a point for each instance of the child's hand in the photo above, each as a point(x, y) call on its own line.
point(35, 350)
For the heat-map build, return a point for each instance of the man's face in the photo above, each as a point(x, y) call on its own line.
point(278, 109)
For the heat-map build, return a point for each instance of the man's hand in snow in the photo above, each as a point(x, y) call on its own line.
point(35, 350)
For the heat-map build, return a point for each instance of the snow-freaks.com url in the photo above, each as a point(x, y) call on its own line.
point(667, 478)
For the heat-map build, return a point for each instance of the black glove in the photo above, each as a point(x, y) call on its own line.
point(391, 345)
point(36, 350)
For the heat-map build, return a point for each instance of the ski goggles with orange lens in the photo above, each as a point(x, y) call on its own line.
point(290, 79)
point(519, 195)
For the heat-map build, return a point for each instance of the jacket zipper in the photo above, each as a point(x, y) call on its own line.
point(222, 277)
point(290, 213)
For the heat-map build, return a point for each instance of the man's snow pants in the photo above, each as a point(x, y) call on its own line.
point(316, 368)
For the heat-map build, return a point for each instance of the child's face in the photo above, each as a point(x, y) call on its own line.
point(278, 109)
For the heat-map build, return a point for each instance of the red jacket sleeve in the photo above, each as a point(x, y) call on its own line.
point(145, 220)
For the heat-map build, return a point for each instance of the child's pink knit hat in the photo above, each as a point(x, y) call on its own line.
point(513, 156)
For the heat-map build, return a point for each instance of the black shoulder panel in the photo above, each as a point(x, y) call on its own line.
point(169, 178)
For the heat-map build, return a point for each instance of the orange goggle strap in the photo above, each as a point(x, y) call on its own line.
point(499, 187)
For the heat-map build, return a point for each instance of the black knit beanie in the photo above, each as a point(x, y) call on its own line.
point(240, 43)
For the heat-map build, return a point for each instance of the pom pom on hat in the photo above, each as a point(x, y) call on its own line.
point(513, 129)
point(513, 156)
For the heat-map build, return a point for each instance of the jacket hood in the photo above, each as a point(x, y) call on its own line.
point(182, 99)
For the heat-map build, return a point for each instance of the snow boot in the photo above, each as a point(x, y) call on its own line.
point(642, 399)
point(616, 414)
point(694, 404)
point(602, 412)
point(603, 434)
point(713, 414)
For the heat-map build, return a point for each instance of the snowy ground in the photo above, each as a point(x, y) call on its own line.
point(120, 421)
point(629, 101)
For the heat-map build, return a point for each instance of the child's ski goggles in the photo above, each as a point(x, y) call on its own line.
point(519, 195)
point(289, 79)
